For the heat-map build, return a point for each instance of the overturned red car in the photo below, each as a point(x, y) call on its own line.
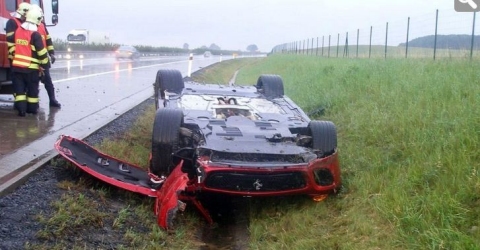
point(237, 140)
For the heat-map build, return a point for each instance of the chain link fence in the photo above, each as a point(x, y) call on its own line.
point(439, 34)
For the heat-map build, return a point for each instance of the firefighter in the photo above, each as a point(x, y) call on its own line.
point(45, 78)
point(12, 24)
point(29, 58)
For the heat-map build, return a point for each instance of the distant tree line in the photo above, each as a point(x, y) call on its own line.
point(444, 42)
point(61, 45)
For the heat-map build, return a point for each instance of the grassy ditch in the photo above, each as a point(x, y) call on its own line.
point(408, 137)
point(408, 140)
point(94, 215)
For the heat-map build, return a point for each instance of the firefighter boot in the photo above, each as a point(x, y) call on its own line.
point(32, 108)
point(21, 106)
point(53, 101)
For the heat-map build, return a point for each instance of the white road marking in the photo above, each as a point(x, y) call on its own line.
point(115, 71)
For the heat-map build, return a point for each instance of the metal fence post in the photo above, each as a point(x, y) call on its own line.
point(308, 43)
point(305, 47)
point(329, 39)
point(345, 49)
point(386, 40)
point(406, 43)
point(473, 36)
point(338, 43)
point(370, 46)
point(323, 44)
point(316, 52)
point(435, 41)
point(358, 34)
point(312, 45)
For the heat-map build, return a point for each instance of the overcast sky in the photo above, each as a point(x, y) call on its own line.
point(236, 24)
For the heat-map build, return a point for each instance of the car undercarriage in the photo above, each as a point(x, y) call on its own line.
point(248, 141)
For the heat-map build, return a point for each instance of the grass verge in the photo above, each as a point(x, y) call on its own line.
point(408, 137)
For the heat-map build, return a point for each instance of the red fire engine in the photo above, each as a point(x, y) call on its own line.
point(7, 7)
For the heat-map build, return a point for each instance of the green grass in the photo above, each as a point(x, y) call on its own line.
point(408, 137)
point(408, 134)
point(223, 72)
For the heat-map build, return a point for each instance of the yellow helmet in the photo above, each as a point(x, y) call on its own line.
point(23, 8)
point(34, 6)
point(34, 14)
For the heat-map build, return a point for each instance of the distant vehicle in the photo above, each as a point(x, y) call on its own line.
point(207, 54)
point(84, 36)
point(127, 52)
point(7, 8)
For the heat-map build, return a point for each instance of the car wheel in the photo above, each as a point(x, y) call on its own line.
point(271, 86)
point(165, 139)
point(167, 80)
point(324, 136)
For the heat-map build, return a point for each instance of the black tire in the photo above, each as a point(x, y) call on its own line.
point(324, 136)
point(170, 80)
point(165, 140)
point(271, 86)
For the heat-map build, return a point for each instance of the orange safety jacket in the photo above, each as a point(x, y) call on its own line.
point(46, 39)
point(10, 36)
point(24, 49)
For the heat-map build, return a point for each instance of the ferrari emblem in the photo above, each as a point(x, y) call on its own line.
point(257, 184)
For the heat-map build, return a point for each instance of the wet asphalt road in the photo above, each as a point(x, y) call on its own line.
point(92, 93)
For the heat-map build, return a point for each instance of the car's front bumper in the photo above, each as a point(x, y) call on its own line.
point(320, 176)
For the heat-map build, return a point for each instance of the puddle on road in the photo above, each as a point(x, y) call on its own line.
point(16, 131)
point(231, 217)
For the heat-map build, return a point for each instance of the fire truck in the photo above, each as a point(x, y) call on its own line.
point(7, 8)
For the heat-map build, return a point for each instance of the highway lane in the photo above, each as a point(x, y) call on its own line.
point(92, 93)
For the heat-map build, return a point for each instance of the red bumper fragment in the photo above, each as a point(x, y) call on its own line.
point(168, 203)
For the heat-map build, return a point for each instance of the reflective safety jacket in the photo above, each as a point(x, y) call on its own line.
point(30, 53)
point(12, 25)
point(46, 38)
